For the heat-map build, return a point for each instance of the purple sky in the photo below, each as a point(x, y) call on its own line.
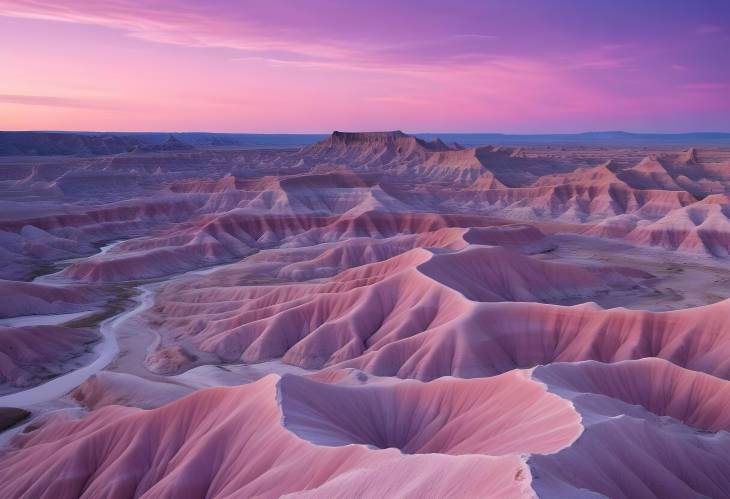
point(296, 66)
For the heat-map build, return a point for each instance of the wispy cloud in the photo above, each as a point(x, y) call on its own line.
point(180, 24)
point(53, 101)
point(302, 41)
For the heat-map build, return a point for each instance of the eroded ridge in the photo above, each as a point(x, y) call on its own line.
point(370, 315)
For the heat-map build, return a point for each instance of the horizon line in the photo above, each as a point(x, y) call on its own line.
point(171, 132)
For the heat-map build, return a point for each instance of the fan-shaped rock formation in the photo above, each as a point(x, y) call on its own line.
point(180, 449)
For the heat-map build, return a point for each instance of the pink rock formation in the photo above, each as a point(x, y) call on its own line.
point(204, 443)
point(702, 227)
point(496, 337)
point(367, 310)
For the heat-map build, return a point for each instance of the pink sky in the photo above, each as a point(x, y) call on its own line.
point(289, 66)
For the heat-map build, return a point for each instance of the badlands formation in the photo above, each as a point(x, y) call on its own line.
point(370, 315)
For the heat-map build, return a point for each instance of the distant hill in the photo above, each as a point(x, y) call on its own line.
point(171, 144)
point(100, 143)
point(245, 140)
point(213, 139)
point(55, 144)
point(610, 138)
point(44, 143)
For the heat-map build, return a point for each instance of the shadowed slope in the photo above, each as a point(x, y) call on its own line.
point(32, 353)
point(27, 298)
point(665, 389)
point(502, 415)
point(628, 450)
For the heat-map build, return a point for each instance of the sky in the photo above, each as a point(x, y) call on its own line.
point(313, 66)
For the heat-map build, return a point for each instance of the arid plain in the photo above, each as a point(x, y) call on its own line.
point(367, 315)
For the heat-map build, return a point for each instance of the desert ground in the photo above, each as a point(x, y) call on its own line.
point(364, 315)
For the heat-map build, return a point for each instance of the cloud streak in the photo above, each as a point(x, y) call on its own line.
point(53, 101)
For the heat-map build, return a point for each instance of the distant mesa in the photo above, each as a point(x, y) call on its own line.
point(396, 154)
point(392, 137)
point(347, 137)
